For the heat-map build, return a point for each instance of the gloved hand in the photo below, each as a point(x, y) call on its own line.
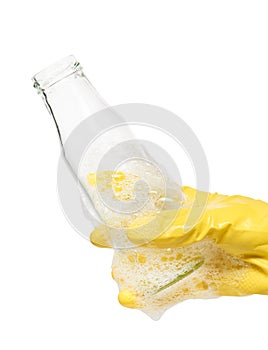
point(236, 224)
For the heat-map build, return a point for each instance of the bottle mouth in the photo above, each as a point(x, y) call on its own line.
point(55, 72)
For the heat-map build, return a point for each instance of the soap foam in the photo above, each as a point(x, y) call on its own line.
point(145, 270)
point(134, 190)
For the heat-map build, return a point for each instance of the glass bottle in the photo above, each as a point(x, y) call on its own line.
point(80, 114)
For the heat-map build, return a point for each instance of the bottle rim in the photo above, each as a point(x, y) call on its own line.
point(55, 72)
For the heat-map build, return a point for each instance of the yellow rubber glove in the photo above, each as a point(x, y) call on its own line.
point(237, 224)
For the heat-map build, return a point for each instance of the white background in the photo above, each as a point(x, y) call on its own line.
point(204, 60)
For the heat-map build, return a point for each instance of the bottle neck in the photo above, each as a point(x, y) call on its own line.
point(68, 95)
point(71, 99)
